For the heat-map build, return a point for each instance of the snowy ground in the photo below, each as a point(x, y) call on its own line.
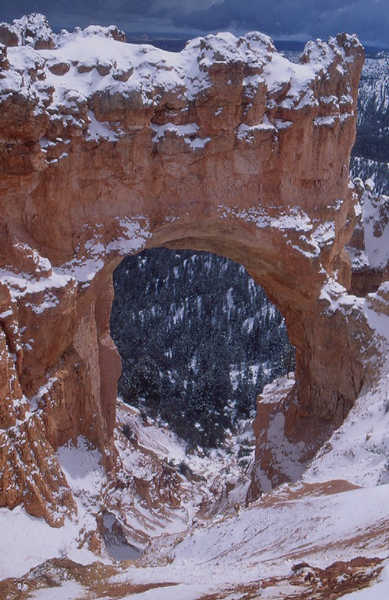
point(318, 524)
point(337, 511)
point(204, 488)
point(319, 520)
point(26, 541)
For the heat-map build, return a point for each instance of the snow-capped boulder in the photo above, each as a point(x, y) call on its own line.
point(30, 30)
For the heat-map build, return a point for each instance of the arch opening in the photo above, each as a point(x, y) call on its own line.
point(198, 340)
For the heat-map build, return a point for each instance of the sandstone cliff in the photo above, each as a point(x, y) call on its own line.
point(107, 148)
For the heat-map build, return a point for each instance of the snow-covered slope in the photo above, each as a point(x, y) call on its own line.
point(286, 544)
point(158, 489)
point(305, 541)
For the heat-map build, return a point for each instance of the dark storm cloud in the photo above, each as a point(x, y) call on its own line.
point(132, 15)
point(280, 18)
point(285, 18)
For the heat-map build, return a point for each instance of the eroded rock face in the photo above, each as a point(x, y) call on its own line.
point(109, 148)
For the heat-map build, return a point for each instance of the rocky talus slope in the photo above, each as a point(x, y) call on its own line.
point(106, 149)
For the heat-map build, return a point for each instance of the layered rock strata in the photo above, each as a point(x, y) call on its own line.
point(107, 148)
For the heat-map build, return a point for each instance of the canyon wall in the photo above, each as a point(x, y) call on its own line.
point(108, 148)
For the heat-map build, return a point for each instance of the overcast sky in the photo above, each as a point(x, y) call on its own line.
point(282, 19)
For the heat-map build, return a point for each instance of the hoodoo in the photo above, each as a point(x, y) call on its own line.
point(226, 147)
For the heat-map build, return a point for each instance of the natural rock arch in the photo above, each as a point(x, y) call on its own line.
point(228, 148)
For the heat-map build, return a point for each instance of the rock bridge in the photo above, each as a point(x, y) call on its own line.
point(107, 148)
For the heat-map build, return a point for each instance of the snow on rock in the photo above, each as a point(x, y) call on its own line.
point(247, 132)
point(293, 218)
point(279, 524)
point(368, 247)
point(283, 533)
point(43, 282)
point(187, 132)
point(30, 30)
point(336, 297)
point(82, 467)
point(100, 130)
point(108, 66)
point(34, 30)
point(44, 289)
point(23, 283)
point(359, 449)
point(311, 235)
point(276, 459)
point(27, 541)
point(69, 590)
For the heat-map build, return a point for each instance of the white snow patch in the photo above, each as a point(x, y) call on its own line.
point(359, 259)
point(82, 467)
point(173, 592)
point(44, 389)
point(22, 284)
point(328, 121)
point(100, 130)
point(338, 298)
point(68, 590)
point(187, 132)
point(134, 233)
point(346, 116)
point(247, 132)
point(281, 124)
point(84, 270)
point(27, 541)
point(294, 218)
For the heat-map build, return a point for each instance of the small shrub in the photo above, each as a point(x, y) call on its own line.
point(127, 431)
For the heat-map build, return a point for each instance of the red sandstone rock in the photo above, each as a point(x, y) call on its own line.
point(228, 148)
point(8, 36)
point(59, 68)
